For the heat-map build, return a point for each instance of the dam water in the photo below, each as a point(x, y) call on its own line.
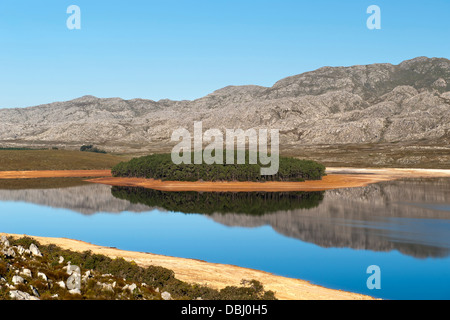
point(329, 238)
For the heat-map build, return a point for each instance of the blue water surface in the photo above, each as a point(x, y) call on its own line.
point(196, 236)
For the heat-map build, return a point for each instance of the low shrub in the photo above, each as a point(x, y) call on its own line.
point(118, 269)
point(91, 148)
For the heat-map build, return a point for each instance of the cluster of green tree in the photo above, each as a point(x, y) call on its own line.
point(161, 166)
point(91, 148)
point(251, 203)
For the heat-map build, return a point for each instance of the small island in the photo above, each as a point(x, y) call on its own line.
point(161, 167)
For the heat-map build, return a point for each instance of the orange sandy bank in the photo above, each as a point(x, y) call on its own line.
point(213, 274)
point(336, 178)
point(54, 174)
point(328, 182)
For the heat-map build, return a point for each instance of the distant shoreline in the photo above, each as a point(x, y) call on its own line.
point(337, 178)
point(214, 275)
point(36, 174)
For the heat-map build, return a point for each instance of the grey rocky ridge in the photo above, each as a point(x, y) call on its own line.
point(375, 104)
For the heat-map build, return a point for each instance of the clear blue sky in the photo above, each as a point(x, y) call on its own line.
point(186, 49)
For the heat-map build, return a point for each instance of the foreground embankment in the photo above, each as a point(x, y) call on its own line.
point(213, 274)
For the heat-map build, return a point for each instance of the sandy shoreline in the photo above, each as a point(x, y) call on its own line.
point(54, 174)
point(332, 181)
point(213, 274)
point(336, 178)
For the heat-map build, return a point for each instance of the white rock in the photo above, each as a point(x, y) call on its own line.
point(107, 275)
point(61, 259)
point(17, 279)
point(62, 284)
point(166, 296)
point(4, 241)
point(42, 275)
point(35, 291)
point(10, 252)
point(106, 286)
point(75, 291)
point(131, 288)
point(20, 250)
point(26, 273)
point(19, 295)
point(35, 250)
point(87, 275)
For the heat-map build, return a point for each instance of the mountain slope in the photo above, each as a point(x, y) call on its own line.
point(375, 103)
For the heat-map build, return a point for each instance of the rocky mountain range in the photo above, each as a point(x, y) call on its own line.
point(377, 103)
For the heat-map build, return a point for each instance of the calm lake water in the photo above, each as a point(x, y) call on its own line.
point(328, 238)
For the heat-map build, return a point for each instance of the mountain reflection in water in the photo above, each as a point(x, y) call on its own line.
point(411, 216)
point(380, 217)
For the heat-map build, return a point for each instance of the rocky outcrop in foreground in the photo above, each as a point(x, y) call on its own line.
point(25, 274)
point(29, 271)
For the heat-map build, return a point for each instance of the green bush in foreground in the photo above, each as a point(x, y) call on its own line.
point(161, 166)
point(157, 279)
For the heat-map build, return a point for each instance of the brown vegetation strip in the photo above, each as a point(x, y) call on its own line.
point(213, 274)
point(54, 174)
